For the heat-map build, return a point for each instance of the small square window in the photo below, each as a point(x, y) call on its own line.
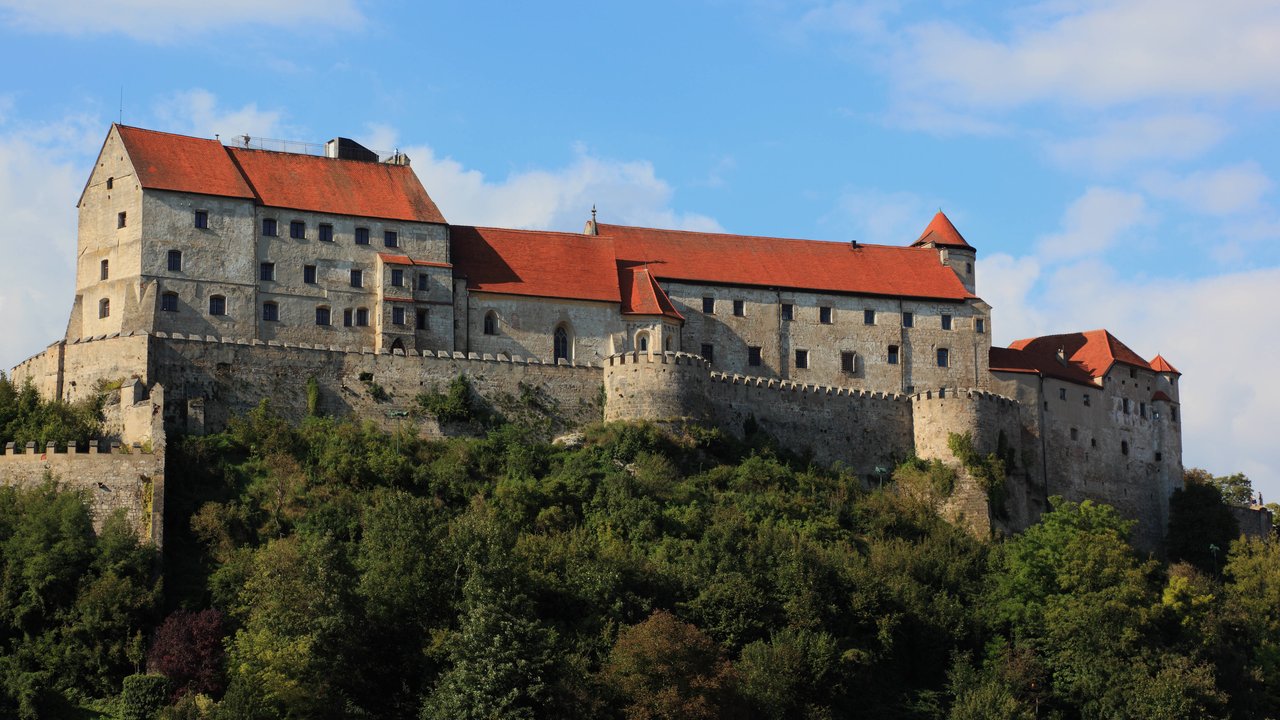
point(739, 308)
point(1093, 442)
point(893, 354)
point(357, 278)
point(979, 325)
point(217, 305)
point(103, 270)
point(848, 362)
point(946, 322)
point(422, 320)
point(169, 302)
point(390, 238)
point(309, 274)
point(397, 277)
point(753, 356)
point(326, 232)
point(397, 316)
point(104, 308)
point(908, 320)
point(175, 261)
point(709, 353)
point(422, 282)
point(202, 219)
point(362, 317)
point(868, 317)
point(267, 272)
point(1062, 393)
point(788, 311)
point(944, 357)
point(709, 305)
point(1074, 433)
point(1133, 373)
point(346, 318)
point(824, 314)
point(1086, 399)
point(322, 315)
point(362, 236)
point(1159, 457)
point(111, 182)
point(270, 312)
point(298, 230)
point(122, 219)
point(269, 227)
point(802, 359)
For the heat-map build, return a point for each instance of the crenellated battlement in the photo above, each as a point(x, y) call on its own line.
point(85, 448)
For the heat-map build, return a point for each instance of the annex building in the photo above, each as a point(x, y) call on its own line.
point(224, 274)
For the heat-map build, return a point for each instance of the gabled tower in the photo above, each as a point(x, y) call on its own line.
point(953, 251)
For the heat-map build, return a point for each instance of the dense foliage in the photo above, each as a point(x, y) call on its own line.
point(332, 570)
point(25, 417)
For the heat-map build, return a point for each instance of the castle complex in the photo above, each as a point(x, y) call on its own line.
point(211, 276)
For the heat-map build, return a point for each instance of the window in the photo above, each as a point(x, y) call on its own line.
point(322, 315)
point(202, 219)
point(397, 277)
point(1173, 414)
point(824, 314)
point(1086, 399)
point(104, 308)
point(390, 238)
point(309, 274)
point(788, 311)
point(868, 317)
point(709, 305)
point(944, 357)
point(753, 356)
point(422, 320)
point(422, 282)
point(709, 353)
point(560, 344)
point(642, 341)
point(346, 318)
point(169, 302)
point(103, 273)
point(490, 323)
point(267, 272)
point(979, 325)
point(848, 362)
point(1062, 393)
point(362, 317)
point(1074, 433)
point(1126, 406)
point(1133, 373)
point(1142, 409)
point(326, 232)
point(270, 312)
point(175, 261)
point(217, 305)
point(121, 219)
point(968, 268)
point(802, 359)
point(893, 354)
point(739, 308)
point(1124, 447)
point(1159, 457)
point(908, 319)
point(946, 322)
point(298, 230)
point(111, 182)
point(269, 227)
point(362, 236)
point(357, 278)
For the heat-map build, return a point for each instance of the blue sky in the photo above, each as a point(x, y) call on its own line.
point(1113, 162)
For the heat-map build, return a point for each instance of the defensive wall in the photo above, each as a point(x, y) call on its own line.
point(1254, 520)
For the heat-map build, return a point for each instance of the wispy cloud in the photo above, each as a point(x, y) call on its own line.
point(173, 21)
point(1221, 191)
point(1119, 144)
point(1093, 223)
point(198, 112)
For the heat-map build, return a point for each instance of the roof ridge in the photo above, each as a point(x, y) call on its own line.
point(758, 237)
point(165, 132)
point(525, 230)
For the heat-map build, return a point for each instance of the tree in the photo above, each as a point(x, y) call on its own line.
point(665, 669)
point(1201, 526)
point(187, 649)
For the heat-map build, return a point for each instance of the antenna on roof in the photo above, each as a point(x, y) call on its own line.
point(593, 213)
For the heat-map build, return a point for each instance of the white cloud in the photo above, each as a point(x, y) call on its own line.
point(1097, 54)
point(1224, 191)
point(1093, 223)
point(1164, 137)
point(874, 216)
point(197, 112)
point(173, 21)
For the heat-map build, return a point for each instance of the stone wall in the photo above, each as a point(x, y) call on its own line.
point(1254, 521)
point(118, 478)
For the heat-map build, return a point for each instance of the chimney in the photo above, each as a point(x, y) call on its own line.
point(347, 149)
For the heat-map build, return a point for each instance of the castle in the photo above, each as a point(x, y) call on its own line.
point(210, 276)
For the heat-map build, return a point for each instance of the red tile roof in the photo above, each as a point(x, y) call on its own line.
point(1036, 362)
point(1160, 365)
point(1092, 352)
point(942, 233)
point(776, 262)
point(1160, 395)
point(392, 259)
point(340, 187)
point(179, 163)
point(642, 295)
point(536, 263)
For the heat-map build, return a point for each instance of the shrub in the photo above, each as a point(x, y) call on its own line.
point(188, 650)
point(143, 696)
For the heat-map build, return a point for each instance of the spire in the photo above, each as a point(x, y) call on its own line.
point(591, 228)
point(941, 233)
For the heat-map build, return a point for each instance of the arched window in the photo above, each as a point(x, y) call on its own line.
point(104, 308)
point(490, 323)
point(562, 344)
point(666, 342)
point(398, 344)
point(642, 341)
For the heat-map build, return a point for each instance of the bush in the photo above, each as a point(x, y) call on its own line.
point(188, 650)
point(454, 405)
point(143, 696)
